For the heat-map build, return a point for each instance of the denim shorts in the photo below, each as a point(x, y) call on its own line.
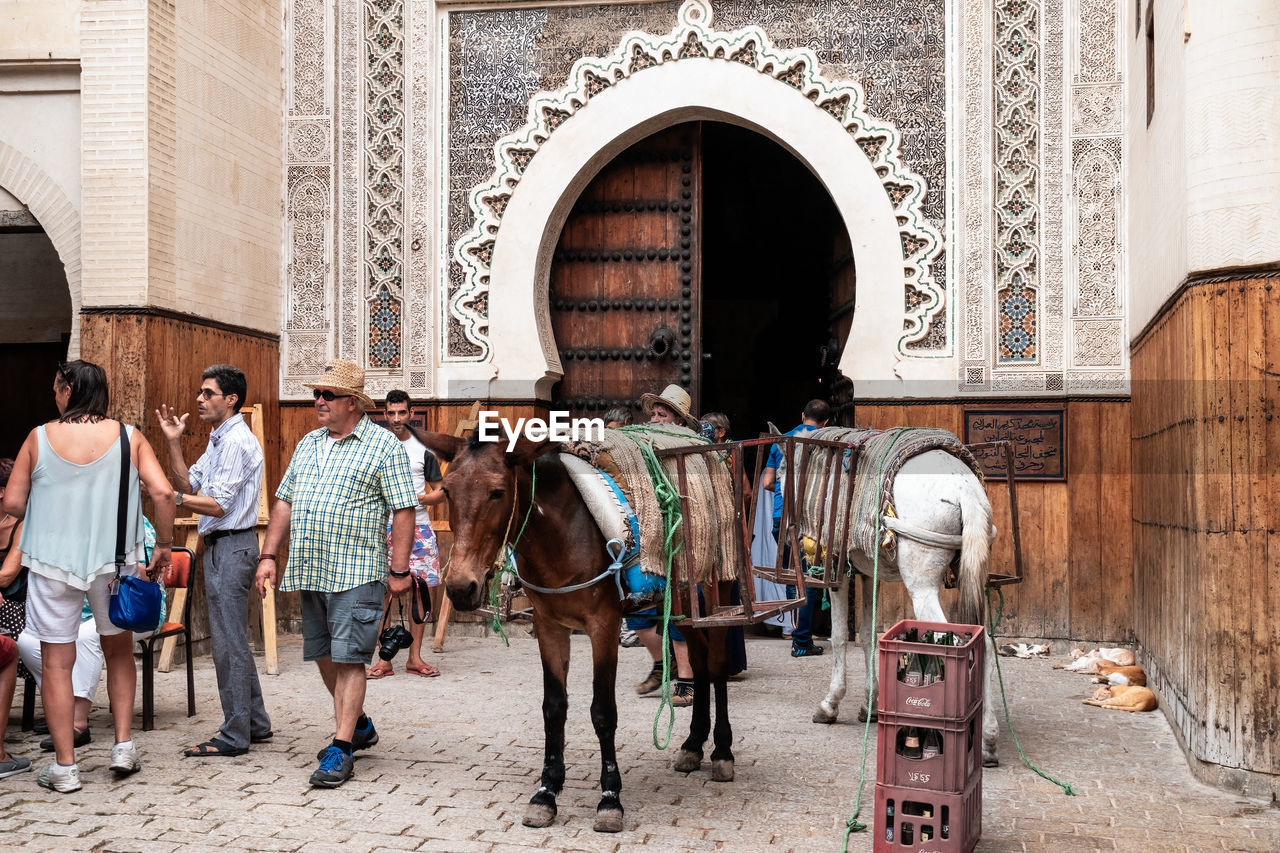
point(649, 619)
point(342, 626)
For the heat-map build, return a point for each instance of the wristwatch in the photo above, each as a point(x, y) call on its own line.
point(178, 498)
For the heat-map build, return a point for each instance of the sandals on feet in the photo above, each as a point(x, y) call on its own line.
point(426, 670)
point(377, 672)
point(213, 748)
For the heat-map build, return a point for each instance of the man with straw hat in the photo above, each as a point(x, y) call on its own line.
point(343, 480)
point(670, 407)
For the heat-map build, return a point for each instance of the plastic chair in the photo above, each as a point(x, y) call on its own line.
point(177, 579)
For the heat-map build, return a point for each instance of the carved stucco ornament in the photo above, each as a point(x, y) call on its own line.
point(695, 40)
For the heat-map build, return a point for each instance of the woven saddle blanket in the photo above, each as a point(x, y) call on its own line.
point(879, 450)
point(708, 529)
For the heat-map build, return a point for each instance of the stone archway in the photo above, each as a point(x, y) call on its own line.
point(694, 74)
point(56, 214)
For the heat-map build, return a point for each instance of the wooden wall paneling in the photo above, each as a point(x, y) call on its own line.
point(1237, 617)
point(1257, 709)
point(1033, 533)
point(1219, 695)
point(1085, 580)
point(1055, 562)
point(1116, 527)
point(1196, 585)
point(1266, 551)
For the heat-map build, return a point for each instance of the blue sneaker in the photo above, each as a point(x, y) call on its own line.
point(335, 768)
point(362, 739)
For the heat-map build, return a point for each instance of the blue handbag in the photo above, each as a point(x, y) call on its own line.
point(136, 603)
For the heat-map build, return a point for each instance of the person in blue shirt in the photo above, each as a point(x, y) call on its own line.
point(815, 415)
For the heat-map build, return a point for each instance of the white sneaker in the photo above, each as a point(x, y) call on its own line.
point(55, 777)
point(124, 759)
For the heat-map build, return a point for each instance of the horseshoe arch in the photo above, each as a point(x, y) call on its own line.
point(696, 74)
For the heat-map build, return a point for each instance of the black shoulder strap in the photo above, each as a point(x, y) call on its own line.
point(122, 514)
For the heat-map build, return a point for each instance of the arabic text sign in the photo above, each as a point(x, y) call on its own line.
point(1038, 438)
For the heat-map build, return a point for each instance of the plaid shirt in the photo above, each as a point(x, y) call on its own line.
point(338, 520)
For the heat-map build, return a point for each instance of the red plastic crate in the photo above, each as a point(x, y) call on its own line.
point(963, 813)
point(956, 695)
point(952, 770)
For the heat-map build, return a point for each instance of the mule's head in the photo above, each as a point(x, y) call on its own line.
point(481, 490)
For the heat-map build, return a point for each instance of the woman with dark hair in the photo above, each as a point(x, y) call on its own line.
point(66, 484)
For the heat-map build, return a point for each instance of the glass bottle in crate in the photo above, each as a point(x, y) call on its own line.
point(914, 675)
point(909, 743)
point(930, 744)
point(888, 820)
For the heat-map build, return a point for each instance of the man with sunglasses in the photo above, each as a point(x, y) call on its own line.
point(343, 481)
point(223, 489)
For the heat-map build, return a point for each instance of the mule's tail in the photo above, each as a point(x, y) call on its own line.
point(975, 551)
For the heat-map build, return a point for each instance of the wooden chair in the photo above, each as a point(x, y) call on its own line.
point(177, 579)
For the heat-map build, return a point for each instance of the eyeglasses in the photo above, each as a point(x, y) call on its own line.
point(209, 394)
point(328, 395)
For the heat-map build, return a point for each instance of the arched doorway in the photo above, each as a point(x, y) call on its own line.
point(35, 321)
point(705, 255)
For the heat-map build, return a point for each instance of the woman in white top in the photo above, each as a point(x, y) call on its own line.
point(66, 483)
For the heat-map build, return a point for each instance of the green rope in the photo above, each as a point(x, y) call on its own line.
point(669, 501)
point(994, 620)
point(853, 824)
point(508, 567)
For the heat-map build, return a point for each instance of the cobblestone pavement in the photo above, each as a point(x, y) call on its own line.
point(459, 757)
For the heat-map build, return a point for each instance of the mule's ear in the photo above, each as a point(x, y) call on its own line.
point(445, 447)
point(526, 451)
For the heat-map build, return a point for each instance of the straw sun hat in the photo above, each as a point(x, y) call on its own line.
point(675, 398)
point(345, 377)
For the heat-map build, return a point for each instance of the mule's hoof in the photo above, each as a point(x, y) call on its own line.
point(722, 770)
point(862, 715)
point(539, 816)
point(823, 716)
point(687, 762)
point(608, 820)
point(990, 761)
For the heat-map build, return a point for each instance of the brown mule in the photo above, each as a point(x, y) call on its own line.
point(558, 546)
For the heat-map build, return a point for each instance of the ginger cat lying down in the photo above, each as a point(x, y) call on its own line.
point(1087, 662)
point(1119, 697)
point(1109, 673)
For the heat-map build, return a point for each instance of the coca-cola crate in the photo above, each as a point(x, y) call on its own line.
point(951, 822)
point(955, 694)
point(957, 764)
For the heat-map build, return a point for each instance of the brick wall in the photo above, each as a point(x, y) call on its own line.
point(113, 118)
point(182, 157)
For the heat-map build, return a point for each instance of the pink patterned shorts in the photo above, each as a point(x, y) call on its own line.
point(424, 561)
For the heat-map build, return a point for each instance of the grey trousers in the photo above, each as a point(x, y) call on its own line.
point(229, 568)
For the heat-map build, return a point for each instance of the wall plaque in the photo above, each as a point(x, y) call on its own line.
point(1038, 437)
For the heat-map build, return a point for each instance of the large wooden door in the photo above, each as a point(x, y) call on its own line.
point(841, 288)
point(625, 278)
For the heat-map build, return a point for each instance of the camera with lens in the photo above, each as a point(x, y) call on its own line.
point(393, 639)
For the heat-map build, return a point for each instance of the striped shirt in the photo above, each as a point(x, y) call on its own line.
point(230, 472)
point(340, 502)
